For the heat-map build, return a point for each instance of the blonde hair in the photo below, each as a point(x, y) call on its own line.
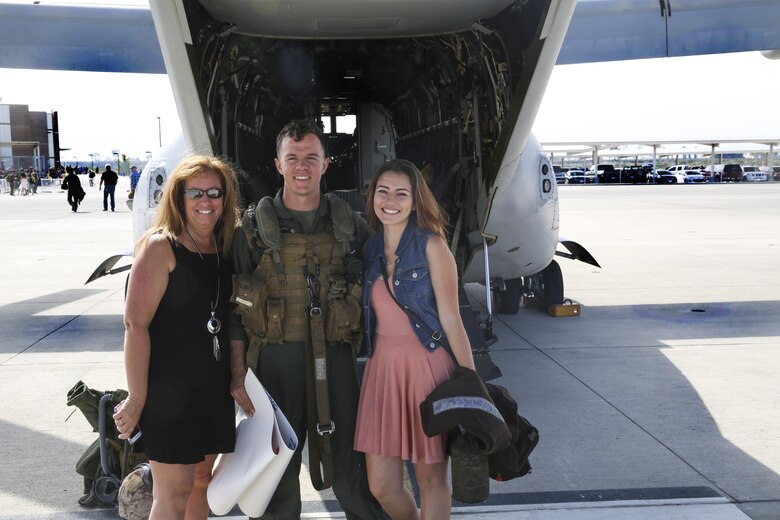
point(429, 214)
point(171, 219)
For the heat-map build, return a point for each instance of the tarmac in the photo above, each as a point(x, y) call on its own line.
point(660, 401)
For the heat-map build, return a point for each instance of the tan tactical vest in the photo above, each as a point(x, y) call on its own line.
point(275, 300)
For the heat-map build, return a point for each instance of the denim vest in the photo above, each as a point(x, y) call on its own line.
point(411, 283)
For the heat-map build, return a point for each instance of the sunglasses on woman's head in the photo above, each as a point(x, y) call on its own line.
point(212, 193)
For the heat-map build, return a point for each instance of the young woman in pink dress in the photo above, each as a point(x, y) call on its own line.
point(406, 362)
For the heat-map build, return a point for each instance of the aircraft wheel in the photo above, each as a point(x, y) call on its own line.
point(547, 286)
point(508, 301)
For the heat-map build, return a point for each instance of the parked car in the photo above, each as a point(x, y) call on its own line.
point(653, 177)
point(776, 173)
point(634, 174)
point(604, 173)
point(694, 176)
point(679, 168)
point(662, 177)
point(675, 177)
point(729, 172)
point(708, 174)
point(578, 177)
point(753, 174)
point(560, 174)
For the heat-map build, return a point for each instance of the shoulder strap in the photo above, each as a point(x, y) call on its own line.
point(343, 220)
point(261, 227)
point(435, 334)
point(268, 224)
point(248, 227)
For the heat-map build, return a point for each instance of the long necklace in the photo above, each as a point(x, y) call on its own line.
point(213, 325)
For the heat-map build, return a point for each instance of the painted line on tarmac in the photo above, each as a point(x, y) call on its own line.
point(548, 498)
point(601, 495)
point(669, 503)
point(675, 509)
point(633, 503)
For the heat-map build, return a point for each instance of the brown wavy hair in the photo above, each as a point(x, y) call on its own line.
point(427, 211)
point(170, 219)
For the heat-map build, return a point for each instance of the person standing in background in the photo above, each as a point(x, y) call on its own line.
point(11, 180)
point(108, 181)
point(24, 185)
point(35, 180)
point(73, 185)
point(134, 176)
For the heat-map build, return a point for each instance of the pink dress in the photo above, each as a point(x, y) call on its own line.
point(397, 378)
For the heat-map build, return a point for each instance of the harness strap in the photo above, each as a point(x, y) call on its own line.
point(319, 423)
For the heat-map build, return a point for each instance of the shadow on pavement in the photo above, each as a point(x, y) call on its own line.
point(30, 326)
point(647, 397)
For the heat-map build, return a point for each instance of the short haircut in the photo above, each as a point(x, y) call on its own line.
point(297, 129)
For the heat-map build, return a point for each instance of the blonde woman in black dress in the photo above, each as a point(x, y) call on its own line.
point(182, 375)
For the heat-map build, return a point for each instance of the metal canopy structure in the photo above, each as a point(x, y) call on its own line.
point(31, 144)
point(653, 149)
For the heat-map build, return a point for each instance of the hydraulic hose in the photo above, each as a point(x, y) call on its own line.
point(102, 432)
point(107, 486)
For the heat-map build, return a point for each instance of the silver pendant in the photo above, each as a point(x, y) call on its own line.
point(216, 348)
point(213, 325)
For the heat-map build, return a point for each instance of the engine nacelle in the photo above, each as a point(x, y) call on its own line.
point(523, 219)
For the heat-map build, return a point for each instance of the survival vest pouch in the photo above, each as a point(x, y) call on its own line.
point(305, 288)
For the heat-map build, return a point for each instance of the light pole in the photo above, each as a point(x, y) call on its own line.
point(116, 152)
point(159, 132)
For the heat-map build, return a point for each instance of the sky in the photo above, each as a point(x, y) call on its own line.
point(726, 96)
point(719, 96)
point(98, 111)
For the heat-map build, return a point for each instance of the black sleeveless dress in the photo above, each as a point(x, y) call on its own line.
point(189, 411)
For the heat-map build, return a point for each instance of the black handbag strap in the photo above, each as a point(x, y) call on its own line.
point(435, 334)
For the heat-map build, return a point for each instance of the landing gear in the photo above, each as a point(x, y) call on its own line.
point(508, 300)
point(546, 286)
point(542, 289)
